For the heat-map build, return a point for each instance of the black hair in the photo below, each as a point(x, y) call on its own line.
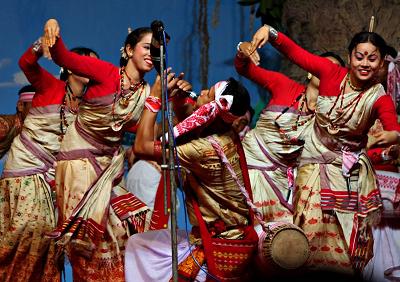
point(333, 55)
point(132, 39)
point(27, 88)
point(81, 51)
point(391, 51)
point(372, 37)
point(241, 97)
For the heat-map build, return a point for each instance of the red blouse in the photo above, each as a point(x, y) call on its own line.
point(49, 90)
point(283, 90)
point(104, 77)
point(331, 76)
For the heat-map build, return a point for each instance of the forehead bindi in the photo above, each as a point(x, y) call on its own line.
point(366, 49)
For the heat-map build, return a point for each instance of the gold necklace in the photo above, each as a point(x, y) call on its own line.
point(357, 89)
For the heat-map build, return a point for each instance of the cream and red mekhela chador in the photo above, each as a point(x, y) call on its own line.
point(96, 214)
point(337, 196)
point(27, 209)
point(273, 146)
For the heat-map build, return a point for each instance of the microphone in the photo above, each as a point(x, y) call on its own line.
point(157, 28)
point(192, 95)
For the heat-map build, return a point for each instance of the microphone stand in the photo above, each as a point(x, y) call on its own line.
point(170, 166)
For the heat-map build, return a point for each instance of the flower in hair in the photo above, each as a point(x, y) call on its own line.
point(123, 53)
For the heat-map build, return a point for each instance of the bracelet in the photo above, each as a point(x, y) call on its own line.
point(153, 104)
point(238, 46)
point(272, 34)
point(385, 155)
point(37, 45)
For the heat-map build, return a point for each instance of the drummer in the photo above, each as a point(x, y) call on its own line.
point(213, 176)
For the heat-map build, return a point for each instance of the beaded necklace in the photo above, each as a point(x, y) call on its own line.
point(124, 97)
point(284, 134)
point(68, 98)
point(333, 127)
point(356, 89)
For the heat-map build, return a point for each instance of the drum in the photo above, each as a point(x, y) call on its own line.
point(284, 246)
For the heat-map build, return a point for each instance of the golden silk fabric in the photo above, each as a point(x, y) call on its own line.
point(322, 188)
point(269, 156)
point(26, 204)
point(217, 194)
point(96, 212)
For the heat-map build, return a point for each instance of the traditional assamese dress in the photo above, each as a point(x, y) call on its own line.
point(272, 152)
point(337, 197)
point(96, 213)
point(222, 206)
point(27, 209)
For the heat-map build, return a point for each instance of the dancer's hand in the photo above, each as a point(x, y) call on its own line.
point(45, 49)
point(51, 32)
point(182, 86)
point(384, 137)
point(244, 50)
point(171, 83)
point(259, 38)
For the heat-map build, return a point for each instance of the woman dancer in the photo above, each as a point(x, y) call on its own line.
point(11, 125)
point(97, 215)
point(336, 193)
point(26, 188)
point(272, 148)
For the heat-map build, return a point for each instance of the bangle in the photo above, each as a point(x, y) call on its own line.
point(385, 155)
point(272, 34)
point(37, 45)
point(153, 104)
point(238, 46)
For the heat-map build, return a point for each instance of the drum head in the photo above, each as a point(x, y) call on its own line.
point(290, 249)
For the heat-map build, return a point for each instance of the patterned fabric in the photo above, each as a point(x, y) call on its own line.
point(26, 204)
point(323, 188)
point(387, 233)
point(208, 112)
point(271, 159)
point(10, 126)
point(96, 212)
point(26, 96)
point(328, 247)
point(393, 78)
point(217, 193)
point(190, 267)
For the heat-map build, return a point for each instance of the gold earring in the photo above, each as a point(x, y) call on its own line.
point(309, 76)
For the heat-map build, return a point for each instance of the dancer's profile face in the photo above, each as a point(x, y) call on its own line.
point(365, 62)
point(141, 57)
point(206, 96)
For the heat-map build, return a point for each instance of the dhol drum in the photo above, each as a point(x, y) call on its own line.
point(283, 246)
